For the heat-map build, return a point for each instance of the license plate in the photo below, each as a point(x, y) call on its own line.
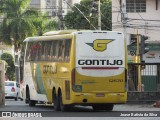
point(100, 95)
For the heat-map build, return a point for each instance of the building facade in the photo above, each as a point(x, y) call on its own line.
point(38, 4)
point(142, 17)
point(59, 7)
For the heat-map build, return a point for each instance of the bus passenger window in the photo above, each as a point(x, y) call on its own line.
point(54, 50)
point(43, 51)
point(28, 52)
point(37, 54)
point(34, 51)
point(48, 55)
point(61, 50)
point(67, 50)
point(39, 51)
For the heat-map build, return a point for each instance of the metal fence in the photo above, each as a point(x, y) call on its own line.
point(150, 77)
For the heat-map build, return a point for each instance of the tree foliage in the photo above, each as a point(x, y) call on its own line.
point(44, 24)
point(10, 67)
point(20, 22)
point(75, 20)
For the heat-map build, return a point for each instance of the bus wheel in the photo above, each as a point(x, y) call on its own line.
point(27, 95)
point(62, 106)
point(26, 101)
point(108, 107)
point(56, 101)
point(97, 107)
point(31, 102)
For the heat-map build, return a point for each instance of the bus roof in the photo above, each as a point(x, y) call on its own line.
point(47, 38)
point(49, 35)
point(62, 34)
point(59, 32)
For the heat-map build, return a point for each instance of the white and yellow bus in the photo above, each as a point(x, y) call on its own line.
point(69, 68)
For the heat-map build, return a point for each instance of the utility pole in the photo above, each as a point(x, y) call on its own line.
point(139, 66)
point(60, 16)
point(99, 15)
point(124, 18)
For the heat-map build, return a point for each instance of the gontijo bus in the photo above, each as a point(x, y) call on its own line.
point(76, 68)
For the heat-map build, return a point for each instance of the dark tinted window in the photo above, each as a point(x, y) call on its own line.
point(55, 50)
point(136, 5)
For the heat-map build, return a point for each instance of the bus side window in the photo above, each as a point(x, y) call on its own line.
point(48, 55)
point(28, 52)
point(39, 51)
point(54, 49)
point(34, 51)
point(45, 51)
point(51, 51)
point(61, 50)
point(37, 54)
point(67, 50)
point(42, 51)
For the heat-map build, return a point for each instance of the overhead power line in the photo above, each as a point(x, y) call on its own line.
point(81, 13)
point(143, 19)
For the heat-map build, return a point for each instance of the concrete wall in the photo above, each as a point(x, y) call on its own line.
point(2, 79)
point(151, 15)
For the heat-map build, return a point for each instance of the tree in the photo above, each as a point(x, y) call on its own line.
point(17, 22)
point(20, 22)
point(75, 20)
point(44, 24)
point(106, 11)
point(10, 73)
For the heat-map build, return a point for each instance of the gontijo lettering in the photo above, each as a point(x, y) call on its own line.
point(99, 62)
point(49, 69)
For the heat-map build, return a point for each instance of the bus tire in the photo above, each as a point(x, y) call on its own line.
point(56, 101)
point(97, 107)
point(31, 102)
point(62, 106)
point(108, 107)
point(27, 95)
point(26, 101)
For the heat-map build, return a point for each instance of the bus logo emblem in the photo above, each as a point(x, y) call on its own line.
point(100, 44)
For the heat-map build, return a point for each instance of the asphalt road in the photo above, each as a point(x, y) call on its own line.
point(125, 112)
point(11, 105)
